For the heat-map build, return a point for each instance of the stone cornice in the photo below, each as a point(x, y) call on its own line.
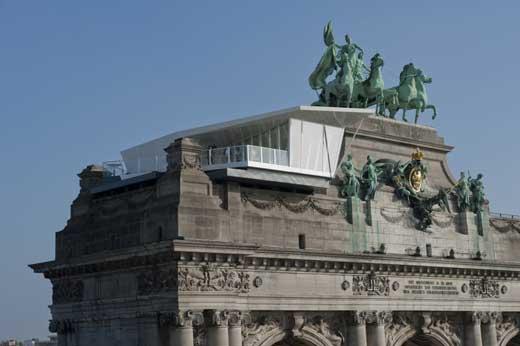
point(254, 257)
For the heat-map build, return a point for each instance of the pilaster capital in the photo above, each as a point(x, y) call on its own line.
point(216, 318)
point(234, 318)
point(474, 317)
point(179, 319)
point(62, 326)
point(379, 317)
point(491, 317)
point(357, 318)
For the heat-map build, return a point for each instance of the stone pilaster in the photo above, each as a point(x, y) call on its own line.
point(235, 328)
point(66, 330)
point(376, 327)
point(217, 325)
point(472, 329)
point(489, 328)
point(356, 328)
point(180, 325)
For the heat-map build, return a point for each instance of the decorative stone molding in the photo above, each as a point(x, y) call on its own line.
point(371, 284)
point(261, 328)
point(393, 215)
point(400, 328)
point(183, 154)
point(110, 265)
point(157, 281)
point(503, 226)
point(216, 318)
point(67, 291)
point(62, 326)
point(306, 204)
point(507, 328)
point(234, 318)
point(484, 288)
point(436, 326)
point(475, 317)
point(490, 317)
point(445, 330)
point(327, 329)
point(379, 317)
point(210, 278)
point(357, 318)
point(183, 319)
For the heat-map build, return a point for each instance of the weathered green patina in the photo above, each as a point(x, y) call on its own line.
point(351, 184)
point(350, 88)
point(477, 193)
point(462, 190)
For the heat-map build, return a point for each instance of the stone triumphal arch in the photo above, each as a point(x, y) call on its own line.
point(312, 226)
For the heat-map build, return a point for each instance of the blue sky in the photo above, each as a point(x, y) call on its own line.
point(81, 80)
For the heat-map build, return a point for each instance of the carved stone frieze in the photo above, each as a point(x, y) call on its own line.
point(484, 288)
point(370, 284)
point(156, 281)
point(67, 291)
point(210, 278)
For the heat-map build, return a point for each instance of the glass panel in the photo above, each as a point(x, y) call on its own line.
point(284, 136)
point(219, 156)
point(282, 158)
point(265, 139)
point(237, 154)
point(205, 158)
point(267, 155)
point(255, 153)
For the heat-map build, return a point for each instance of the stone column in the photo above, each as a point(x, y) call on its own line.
point(217, 324)
point(376, 329)
point(472, 331)
point(356, 330)
point(235, 328)
point(489, 329)
point(180, 325)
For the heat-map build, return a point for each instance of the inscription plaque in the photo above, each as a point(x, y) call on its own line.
point(430, 287)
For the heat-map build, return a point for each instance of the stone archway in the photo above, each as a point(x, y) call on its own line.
point(291, 343)
point(408, 335)
point(422, 340)
point(508, 333)
point(280, 337)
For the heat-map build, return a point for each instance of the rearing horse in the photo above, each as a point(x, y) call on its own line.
point(422, 98)
point(338, 92)
point(371, 88)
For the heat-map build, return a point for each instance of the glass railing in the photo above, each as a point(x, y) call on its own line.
point(243, 154)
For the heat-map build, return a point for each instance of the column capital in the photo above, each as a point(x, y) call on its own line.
point(234, 318)
point(491, 317)
point(216, 318)
point(181, 319)
point(357, 318)
point(62, 326)
point(474, 317)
